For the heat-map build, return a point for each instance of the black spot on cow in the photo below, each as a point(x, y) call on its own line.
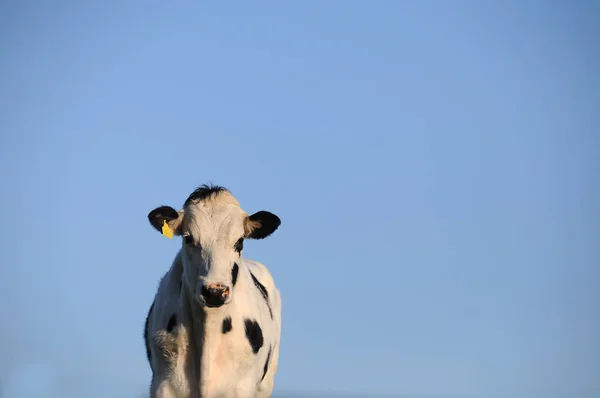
point(239, 245)
point(254, 334)
point(234, 274)
point(263, 292)
point(172, 322)
point(148, 354)
point(267, 364)
point(226, 326)
point(203, 192)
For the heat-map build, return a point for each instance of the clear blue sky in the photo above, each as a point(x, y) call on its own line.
point(435, 165)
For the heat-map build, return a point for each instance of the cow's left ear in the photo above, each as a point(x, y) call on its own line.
point(162, 214)
point(260, 225)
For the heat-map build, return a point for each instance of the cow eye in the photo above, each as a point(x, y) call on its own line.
point(188, 240)
point(239, 245)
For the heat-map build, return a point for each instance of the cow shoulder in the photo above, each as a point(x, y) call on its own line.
point(265, 285)
point(163, 328)
point(146, 327)
point(261, 273)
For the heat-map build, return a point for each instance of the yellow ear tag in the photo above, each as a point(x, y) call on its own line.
point(166, 230)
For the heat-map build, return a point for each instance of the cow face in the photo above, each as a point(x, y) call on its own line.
point(213, 228)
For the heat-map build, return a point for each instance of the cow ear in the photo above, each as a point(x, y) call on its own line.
point(260, 225)
point(162, 214)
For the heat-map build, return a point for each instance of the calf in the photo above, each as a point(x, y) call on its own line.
point(214, 326)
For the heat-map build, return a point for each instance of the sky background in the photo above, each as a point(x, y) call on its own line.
point(435, 165)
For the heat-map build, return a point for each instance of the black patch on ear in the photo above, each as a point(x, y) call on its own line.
point(202, 192)
point(269, 222)
point(160, 214)
point(267, 363)
point(148, 354)
point(234, 274)
point(226, 326)
point(253, 334)
point(263, 292)
point(172, 322)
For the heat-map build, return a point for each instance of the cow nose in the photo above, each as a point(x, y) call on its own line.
point(214, 294)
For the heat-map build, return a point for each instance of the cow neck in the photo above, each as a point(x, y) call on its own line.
point(205, 333)
point(193, 319)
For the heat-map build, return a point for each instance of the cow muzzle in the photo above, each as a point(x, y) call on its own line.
point(215, 294)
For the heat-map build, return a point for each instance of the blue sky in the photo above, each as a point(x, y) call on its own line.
point(435, 166)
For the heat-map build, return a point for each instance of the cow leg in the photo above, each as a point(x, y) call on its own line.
point(246, 389)
point(265, 388)
point(162, 390)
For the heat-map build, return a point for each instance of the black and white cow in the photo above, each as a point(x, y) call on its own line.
point(213, 329)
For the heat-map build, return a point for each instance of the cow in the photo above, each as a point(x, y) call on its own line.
point(213, 329)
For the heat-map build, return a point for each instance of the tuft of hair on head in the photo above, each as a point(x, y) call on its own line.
point(204, 192)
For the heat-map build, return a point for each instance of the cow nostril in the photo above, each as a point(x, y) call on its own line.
point(215, 295)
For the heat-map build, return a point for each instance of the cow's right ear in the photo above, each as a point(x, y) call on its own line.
point(162, 214)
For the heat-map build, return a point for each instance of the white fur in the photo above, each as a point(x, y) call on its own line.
point(201, 362)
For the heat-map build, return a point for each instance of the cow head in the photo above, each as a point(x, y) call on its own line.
point(213, 227)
